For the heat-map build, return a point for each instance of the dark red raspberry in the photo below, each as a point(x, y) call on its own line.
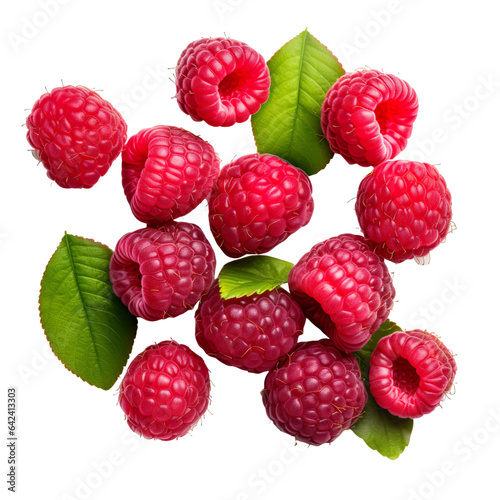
point(250, 333)
point(404, 207)
point(367, 116)
point(76, 135)
point(258, 201)
point(162, 272)
point(167, 172)
point(411, 372)
point(315, 393)
point(165, 391)
point(344, 289)
point(221, 81)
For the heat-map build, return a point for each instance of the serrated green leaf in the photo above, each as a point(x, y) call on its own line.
point(88, 327)
point(381, 431)
point(288, 125)
point(254, 274)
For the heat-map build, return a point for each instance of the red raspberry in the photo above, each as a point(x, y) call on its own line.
point(250, 333)
point(344, 289)
point(404, 207)
point(367, 116)
point(258, 201)
point(167, 172)
point(221, 81)
point(410, 373)
point(165, 391)
point(315, 393)
point(76, 135)
point(162, 272)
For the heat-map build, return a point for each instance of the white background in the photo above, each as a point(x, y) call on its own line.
point(73, 440)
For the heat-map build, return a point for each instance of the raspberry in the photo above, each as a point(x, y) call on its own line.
point(410, 373)
point(315, 393)
point(404, 207)
point(367, 116)
point(167, 172)
point(250, 332)
point(76, 135)
point(221, 81)
point(344, 289)
point(258, 201)
point(162, 272)
point(165, 391)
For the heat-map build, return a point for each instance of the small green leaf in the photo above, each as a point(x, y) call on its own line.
point(88, 327)
point(288, 125)
point(381, 431)
point(250, 275)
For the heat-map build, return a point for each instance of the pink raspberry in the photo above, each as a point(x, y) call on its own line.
point(315, 393)
point(165, 391)
point(162, 272)
point(167, 172)
point(344, 289)
point(250, 332)
point(258, 201)
point(76, 135)
point(411, 372)
point(221, 81)
point(404, 207)
point(367, 116)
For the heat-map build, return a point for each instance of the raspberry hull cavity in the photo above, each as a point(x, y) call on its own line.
point(258, 201)
point(367, 116)
point(165, 391)
point(76, 135)
point(250, 332)
point(404, 207)
point(344, 289)
point(167, 172)
point(221, 81)
point(162, 272)
point(315, 393)
point(411, 372)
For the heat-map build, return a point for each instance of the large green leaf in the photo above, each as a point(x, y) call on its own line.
point(254, 274)
point(381, 431)
point(288, 125)
point(88, 327)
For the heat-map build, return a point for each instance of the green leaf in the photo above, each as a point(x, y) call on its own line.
point(381, 431)
point(88, 327)
point(250, 275)
point(288, 125)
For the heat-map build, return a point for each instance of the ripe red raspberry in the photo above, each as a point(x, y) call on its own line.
point(411, 372)
point(344, 289)
point(167, 172)
point(250, 332)
point(162, 272)
point(367, 116)
point(76, 135)
point(221, 81)
point(165, 391)
point(404, 207)
point(258, 201)
point(315, 393)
